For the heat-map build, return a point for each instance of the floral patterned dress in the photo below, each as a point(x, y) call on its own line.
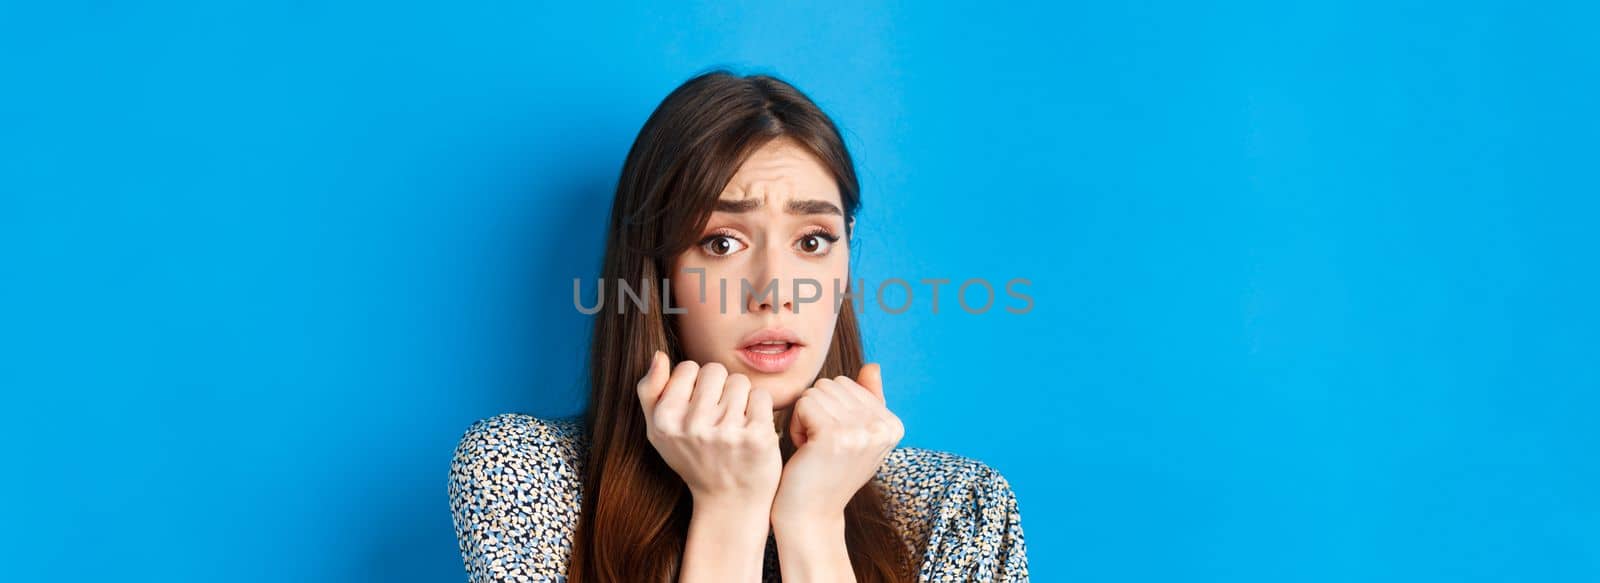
point(515, 493)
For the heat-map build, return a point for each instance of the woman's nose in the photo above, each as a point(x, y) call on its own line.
point(762, 294)
point(769, 287)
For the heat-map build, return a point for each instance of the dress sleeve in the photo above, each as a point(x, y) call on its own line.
point(977, 533)
point(1005, 520)
point(513, 496)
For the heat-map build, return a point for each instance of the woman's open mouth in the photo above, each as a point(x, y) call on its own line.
point(771, 356)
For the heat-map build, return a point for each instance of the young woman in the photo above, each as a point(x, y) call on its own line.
point(733, 430)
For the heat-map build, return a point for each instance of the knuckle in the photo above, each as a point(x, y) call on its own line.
point(700, 433)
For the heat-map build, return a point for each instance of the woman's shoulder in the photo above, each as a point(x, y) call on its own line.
point(523, 427)
point(521, 439)
point(515, 494)
point(931, 471)
point(959, 511)
point(925, 489)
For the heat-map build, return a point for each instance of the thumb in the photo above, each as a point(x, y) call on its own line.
point(871, 377)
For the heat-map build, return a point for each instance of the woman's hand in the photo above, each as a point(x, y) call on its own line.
point(842, 432)
point(714, 430)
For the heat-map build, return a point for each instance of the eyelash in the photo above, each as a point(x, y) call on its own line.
point(818, 232)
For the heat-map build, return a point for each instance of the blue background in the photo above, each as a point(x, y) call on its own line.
point(1314, 285)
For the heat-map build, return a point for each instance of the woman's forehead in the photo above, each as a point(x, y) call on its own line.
point(781, 170)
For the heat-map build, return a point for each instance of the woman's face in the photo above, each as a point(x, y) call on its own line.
point(772, 252)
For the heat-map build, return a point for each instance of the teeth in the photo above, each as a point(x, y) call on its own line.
point(769, 347)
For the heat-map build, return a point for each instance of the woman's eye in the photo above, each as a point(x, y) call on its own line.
point(816, 243)
point(721, 245)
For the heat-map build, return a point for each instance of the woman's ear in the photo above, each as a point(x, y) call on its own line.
point(850, 227)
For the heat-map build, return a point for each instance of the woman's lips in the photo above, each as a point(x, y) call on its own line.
point(770, 358)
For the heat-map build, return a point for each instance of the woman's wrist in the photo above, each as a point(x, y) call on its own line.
point(734, 512)
point(808, 524)
point(727, 541)
point(799, 517)
point(811, 547)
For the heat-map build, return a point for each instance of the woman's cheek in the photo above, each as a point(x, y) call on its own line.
point(699, 289)
point(687, 310)
point(685, 292)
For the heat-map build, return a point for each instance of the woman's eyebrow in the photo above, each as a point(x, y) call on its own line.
point(795, 207)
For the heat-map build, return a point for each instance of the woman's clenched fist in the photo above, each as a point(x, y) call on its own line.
point(713, 429)
point(842, 431)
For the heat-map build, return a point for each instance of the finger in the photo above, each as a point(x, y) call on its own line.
point(676, 394)
point(812, 409)
point(651, 384)
point(871, 378)
point(854, 393)
point(735, 392)
point(823, 394)
point(850, 401)
point(703, 404)
point(758, 410)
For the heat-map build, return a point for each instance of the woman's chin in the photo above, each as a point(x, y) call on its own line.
point(783, 396)
point(784, 387)
point(784, 401)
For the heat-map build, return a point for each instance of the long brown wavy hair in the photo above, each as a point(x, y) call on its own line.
point(636, 509)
